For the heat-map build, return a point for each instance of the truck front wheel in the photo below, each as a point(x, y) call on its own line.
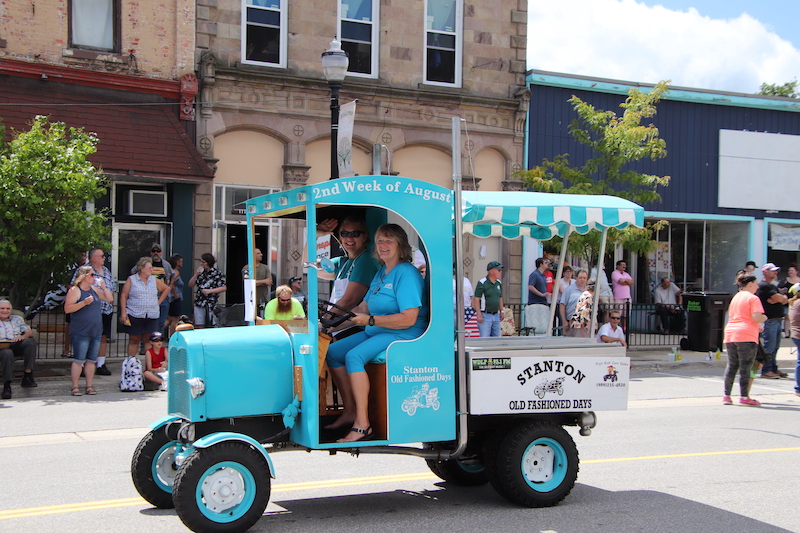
point(225, 487)
point(536, 464)
point(153, 468)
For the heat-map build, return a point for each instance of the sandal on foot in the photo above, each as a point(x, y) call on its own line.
point(367, 434)
point(91, 391)
point(76, 391)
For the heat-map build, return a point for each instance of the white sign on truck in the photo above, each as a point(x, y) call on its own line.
point(541, 375)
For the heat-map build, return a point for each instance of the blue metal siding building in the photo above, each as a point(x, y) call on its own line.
point(690, 121)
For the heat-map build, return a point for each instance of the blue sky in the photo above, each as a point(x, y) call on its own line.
point(779, 16)
point(726, 45)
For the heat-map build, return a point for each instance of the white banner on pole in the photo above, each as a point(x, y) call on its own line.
point(250, 300)
point(344, 149)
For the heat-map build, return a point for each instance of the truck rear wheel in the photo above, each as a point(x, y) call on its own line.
point(225, 487)
point(535, 464)
point(153, 468)
point(467, 471)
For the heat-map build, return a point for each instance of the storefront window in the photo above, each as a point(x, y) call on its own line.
point(699, 255)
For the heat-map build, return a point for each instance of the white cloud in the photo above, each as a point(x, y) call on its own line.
point(626, 40)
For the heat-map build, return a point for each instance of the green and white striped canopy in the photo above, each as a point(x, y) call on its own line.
point(512, 214)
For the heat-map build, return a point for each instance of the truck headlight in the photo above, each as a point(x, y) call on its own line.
point(198, 387)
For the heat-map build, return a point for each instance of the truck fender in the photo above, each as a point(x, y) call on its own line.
point(163, 421)
point(216, 438)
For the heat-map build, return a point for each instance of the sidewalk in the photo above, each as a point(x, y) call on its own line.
point(658, 359)
point(53, 375)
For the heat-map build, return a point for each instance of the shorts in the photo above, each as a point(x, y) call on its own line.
point(85, 348)
point(200, 314)
point(107, 319)
point(175, 307)
point(142, 326)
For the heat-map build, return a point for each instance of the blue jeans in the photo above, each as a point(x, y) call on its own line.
point(797, 367)
point(163, 313)
point(490, 327)
point(773, 330)
point(85, 348)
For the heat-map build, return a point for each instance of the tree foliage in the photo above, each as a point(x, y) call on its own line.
point(788, 89)
point(46, 181)
point(615, 142)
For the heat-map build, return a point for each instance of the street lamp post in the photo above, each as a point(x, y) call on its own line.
point(334, 66)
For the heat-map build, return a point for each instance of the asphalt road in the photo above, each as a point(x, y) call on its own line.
point(676, 461)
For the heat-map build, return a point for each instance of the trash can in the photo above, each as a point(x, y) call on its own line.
point(706, 320)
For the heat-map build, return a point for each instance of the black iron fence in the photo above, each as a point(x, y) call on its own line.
point(644, 324)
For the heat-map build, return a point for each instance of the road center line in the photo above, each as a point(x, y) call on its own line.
point(334, 483)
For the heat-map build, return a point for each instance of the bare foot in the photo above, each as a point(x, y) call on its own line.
point(344, 420)
point(357, 434)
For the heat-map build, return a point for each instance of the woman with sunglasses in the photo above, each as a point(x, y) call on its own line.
point(354, 271)
point(283, 306)
point(86, 323)
point(394, 308)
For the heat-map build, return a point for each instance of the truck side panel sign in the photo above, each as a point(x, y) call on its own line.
point(527, 384)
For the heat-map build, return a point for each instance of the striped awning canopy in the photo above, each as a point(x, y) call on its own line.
point(512, 214)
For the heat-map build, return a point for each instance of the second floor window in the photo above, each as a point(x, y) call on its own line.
point(443, 35)
point(359, 35)
point(264, 37)
point(92, 25)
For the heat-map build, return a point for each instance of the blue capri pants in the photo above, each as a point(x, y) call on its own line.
point(357, 350)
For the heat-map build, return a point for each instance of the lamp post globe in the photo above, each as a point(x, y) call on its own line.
point(334, 67)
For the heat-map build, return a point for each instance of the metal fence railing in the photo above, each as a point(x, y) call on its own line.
point(641, 322)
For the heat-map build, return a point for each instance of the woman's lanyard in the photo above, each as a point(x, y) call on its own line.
point(341, 282)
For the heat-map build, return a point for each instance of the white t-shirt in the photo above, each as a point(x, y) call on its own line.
point(468, 292)
point(606, 330)
point(602, 282)
point(667, 296)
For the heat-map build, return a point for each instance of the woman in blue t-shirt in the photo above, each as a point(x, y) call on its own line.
point(394, 308)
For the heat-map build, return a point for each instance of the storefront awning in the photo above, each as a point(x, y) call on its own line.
point(512, 214)
point(140, 136)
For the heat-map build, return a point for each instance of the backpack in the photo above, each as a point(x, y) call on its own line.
point(131, 379)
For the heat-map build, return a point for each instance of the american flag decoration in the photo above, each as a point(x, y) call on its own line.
point(471, 322)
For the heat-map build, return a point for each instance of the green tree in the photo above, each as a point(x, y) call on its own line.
point(615, 141)
point(46, 181)
point(788, 89)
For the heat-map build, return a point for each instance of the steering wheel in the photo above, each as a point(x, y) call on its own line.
point(328, 318)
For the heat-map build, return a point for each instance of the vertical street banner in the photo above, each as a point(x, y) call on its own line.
point(344, 149)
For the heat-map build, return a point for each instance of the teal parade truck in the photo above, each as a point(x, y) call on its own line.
point(477, 410)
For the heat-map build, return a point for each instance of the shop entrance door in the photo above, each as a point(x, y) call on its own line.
point(236, 258)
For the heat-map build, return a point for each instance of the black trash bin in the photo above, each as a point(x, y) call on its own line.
point(706, 320)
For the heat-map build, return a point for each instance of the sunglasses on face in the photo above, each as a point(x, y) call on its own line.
point(286, 300)
point(351, 233)
point(614, 317)
point(156, 251)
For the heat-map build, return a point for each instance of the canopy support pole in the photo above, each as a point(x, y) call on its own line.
point(596, 299)
point(557, 283)
point(461, 358)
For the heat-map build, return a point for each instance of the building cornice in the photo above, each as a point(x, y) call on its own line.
point(93, 78)
point(681, 94)
point(374, 88)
